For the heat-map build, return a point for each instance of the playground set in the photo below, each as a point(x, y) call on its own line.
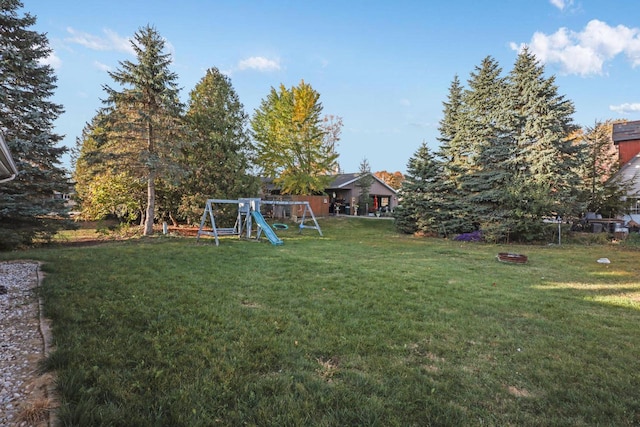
point(248, 214)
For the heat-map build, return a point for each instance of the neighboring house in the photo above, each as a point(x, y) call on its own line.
point(343, 193)
point(626, 136)
point(8, 170)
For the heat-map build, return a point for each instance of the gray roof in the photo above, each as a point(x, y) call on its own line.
point(344, 179)
point(8, 169)
point(627, 131)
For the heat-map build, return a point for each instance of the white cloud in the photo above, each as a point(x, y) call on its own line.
point(102, 67)
point(110, 41)
point(52, 60)
point(586, 52)
point(405, 102)
point(259, 63)
point(626, 108)
point(561, 4)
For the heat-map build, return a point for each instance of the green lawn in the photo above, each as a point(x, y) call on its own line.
point(359, 327)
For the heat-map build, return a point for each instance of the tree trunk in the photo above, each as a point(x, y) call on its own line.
point(151, 203)
point(174, 222)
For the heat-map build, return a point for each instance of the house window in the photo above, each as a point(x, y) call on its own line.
point(634, 206)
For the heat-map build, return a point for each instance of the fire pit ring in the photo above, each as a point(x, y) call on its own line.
point(512, 258)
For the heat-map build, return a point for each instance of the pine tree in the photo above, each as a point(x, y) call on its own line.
point(423, 206)
point(28, 208)
point(145, 129)
point(483, 145)
point(547, 158)
point(452, 153)
point(364, 183)
point(219, 159)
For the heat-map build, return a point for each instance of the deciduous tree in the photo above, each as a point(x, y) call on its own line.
point(393, 180)
point(293, 145)
point(604, 193)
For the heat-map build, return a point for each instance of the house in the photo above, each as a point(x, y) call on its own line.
point(8, 170)
point(344, 193)
point(626, 136)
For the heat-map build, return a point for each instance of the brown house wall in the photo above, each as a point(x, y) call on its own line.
point(318, 204)
point(627, 150)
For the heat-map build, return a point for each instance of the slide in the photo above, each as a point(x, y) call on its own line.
point(268, 231)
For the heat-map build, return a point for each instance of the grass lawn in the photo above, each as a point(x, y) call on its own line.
point(360, 327)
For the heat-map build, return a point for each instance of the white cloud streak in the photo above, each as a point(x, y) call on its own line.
point(102, 67)
point(561, 4)
point(586, 52)
point(109, 41)
point(626, 108)
point(259, 63)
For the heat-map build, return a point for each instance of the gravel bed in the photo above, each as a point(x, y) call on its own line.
point(24, 399)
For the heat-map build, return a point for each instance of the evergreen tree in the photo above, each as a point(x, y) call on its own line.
point(547, 159)
point(452, 152)
point(293, 145)
point(364, 182)
point(423, 207)
point(219, 159)
point(450, 121)
point(483, 145)
point(28, 208)
point(145, 129)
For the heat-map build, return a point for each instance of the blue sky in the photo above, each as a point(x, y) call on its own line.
point(383, 66)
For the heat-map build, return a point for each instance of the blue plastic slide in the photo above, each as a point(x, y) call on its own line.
point(268, 231)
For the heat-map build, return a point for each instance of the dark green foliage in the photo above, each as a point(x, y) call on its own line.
point(546, 157)
point(144, 119)
point(423, 204)
point(28, 208)
point(487, 146)
point(509, 157)
point(219, 158)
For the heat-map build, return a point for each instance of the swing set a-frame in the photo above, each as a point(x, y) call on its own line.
point(248, 215)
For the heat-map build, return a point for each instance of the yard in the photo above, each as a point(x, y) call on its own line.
point(360, 327)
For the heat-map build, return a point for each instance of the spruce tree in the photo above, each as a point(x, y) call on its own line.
point(451, 154)
point(423, 206)
point(547, 159)
point(29, 208)
point(145, 128)
point(364, 182)
point(483, 145)
point(219, 159)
